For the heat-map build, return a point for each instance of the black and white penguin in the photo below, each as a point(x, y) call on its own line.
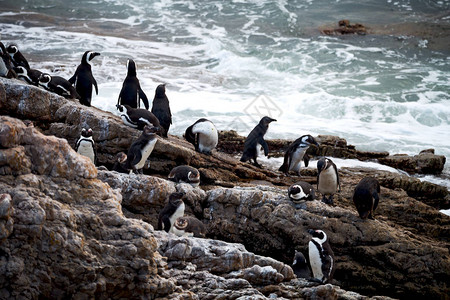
point(141, 149)
point(300, 266)
point(31, 76)
point(185, 174)
point(6, 65)
point(83, 78)
point(189, 226)
point(120, 163)
point(58, 85)
point(173, 210)
point(327, 179)
point(86, 145)
point(301, 191)
point(321, 257)
point(255, 140)
point(131, 92)
point(137, 117)
point(161, 109)
point(295, 153)
point(203, 135)
point(17, 57)
point(366, 197)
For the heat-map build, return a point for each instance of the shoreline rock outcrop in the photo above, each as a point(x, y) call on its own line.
point(68, 229)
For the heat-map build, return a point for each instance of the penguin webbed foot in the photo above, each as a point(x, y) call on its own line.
point(328, 200)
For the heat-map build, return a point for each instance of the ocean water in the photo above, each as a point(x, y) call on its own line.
point(236, 61)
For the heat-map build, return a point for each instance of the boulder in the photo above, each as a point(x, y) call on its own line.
point(426, 162)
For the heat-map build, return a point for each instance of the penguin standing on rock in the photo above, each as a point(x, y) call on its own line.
point(58, 85)
point(83, 78)
point(131, 92)
point(366, 197)
point(189, 226)
point(161, 109)
point(321, 257)
point(255, 140)
point(173, 210)
point(137, 117)
point(31, 76)
point(141, 149)
point(17, 57)
point(300, 266)
point(185, 174)
point(295, 153)
point(301, 191)
point(327, 179)
point(203, 135)
point(6, 65)
point(86, 145)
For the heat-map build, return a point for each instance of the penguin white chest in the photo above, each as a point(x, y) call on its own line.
point(179, 212)
point(315, 260)
point(146, 151)
point(179, 232)
point(296, 159)
point(328, 183)
point(85, 148)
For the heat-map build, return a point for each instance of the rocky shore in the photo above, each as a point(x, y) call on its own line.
point(70, 230)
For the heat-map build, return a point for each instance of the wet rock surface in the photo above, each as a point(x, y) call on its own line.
point(69, 230)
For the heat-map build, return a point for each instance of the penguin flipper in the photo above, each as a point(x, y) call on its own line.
point(74, 77)
point(337, 177)
point(143, 97)
point(285, 166)
point(306, 160)
point(166, 223)
point(263, 143)
point(375, 200)
point(95, 85)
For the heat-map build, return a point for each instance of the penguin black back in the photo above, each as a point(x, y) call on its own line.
point(300, 266)
point(131, 92)
point(58, 85)
point(83, 78)
point(6, 65)
point(256, 138)
point(161, 109)
point(366, 197)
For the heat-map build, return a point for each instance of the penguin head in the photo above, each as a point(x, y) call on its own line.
point(121, 108)
point(44, 79)
point(149, 130)
point(86, 132)
point(12, 49)
point(308, 140)
point(88, 56)
point(265, 121)
point(318, 235)
point(160, 90)
point(294, 189)
point(323, 164)
point(20, 70)
point(299, 259)
point(194, 175)
point(121, 157)
point(131, 67)
point(176, 199)
point(181, 223)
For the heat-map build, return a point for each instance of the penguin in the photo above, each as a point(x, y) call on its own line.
point(295, 153)
point(119, 165)
point(141, 149)
point(185, 174)
point(83, 78)
point(137, 117)
point(6, 65)
point(203, 135)
point(161, 109)
point(321, 257)
point(301, 191)
point(171, 211)
point(86, 145)
point(31, 76)
point(189, 226)
point(300, 266)
point(131, 89)
point(17, 57)
point(327, 179)
point(58, 85)
point(255, 140)
point(366, 197)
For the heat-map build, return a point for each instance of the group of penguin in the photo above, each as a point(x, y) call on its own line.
point(204, 136)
